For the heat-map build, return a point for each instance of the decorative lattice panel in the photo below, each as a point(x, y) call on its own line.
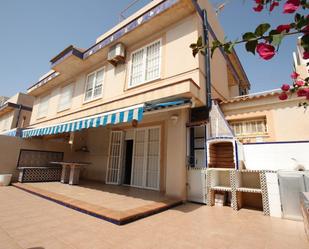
point(264, 193)
point(210, 194)
point(234, 185)
point(40, 174)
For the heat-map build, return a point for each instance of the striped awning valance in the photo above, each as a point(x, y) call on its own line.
point(12, 133)
point(113, 117)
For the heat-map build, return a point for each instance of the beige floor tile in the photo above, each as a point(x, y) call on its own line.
point(186, 226)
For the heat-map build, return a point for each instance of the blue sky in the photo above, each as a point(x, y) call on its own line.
point(34, 31)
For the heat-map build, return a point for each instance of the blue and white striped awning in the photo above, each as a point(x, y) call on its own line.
point(114, 117)
point(12, 133)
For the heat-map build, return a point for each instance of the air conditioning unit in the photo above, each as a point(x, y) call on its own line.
point(116, 54)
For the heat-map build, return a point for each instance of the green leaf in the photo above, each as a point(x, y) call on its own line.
point(277, 39)
point(199, 42)
point(304, 42)
point(195, 51)
point(193, 46)
point(251, 46)
point(249, 36)
point(297, 17)
point(271, 34)
point(261, 29)
point(215, 45)
point(228, 47)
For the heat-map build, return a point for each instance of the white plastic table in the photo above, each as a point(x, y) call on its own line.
point(70, 171)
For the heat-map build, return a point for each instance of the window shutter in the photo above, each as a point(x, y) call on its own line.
point(153, 61)
point(66, 97)
point(137, 67)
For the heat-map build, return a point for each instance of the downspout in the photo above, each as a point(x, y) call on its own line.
point(18, 116)
point(203, 16)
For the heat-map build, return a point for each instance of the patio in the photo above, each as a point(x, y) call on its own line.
point(30, 222)
point(117, 204)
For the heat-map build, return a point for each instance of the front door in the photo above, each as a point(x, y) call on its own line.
point(128, 161)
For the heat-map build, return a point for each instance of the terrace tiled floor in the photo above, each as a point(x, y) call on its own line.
point(31, 222)
point(118, 204)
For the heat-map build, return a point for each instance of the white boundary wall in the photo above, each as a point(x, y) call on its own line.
point(277, 155)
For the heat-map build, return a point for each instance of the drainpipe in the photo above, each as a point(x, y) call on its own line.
point(18, 116)
point(203, 16)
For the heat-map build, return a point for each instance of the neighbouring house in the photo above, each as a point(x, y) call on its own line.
point(3, 99)
point(262, 117)
point(125, 103)
point(300, 65)
point(15, 112)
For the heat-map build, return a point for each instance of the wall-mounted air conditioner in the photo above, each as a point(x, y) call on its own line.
point(116, 54)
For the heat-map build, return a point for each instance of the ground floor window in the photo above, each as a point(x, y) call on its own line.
point(251, 127)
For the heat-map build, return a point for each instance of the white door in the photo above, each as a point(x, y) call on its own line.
point(139, 156)
point(146, 158)
point(153, 158)
point(114, 158)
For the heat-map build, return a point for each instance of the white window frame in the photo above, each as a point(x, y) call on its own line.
point(243, 124)
point(43, 114)
point(92, 96)
point(63, 89)
point(144, 81)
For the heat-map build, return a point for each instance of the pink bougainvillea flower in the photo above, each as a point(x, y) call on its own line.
point(266, 51)
point(284, 27)
point(285, 87)
point(294, 75)
point(273, 5)
point(283, 96)
point(299, 83)
point(306, 55)
point(259, 1)
point(291, 6)
point(307, 97)
point(258, 8)
point(303, 92)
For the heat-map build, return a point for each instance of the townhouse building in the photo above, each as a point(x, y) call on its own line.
point(125, 103)
point(15, 112)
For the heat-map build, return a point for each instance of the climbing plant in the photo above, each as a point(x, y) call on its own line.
point(265, 41)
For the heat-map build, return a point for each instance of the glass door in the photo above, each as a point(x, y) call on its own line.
point(146, 158)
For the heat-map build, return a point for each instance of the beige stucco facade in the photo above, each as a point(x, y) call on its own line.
point(181, 76)
point(285, 121)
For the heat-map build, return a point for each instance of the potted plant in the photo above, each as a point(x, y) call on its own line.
point(5, 179)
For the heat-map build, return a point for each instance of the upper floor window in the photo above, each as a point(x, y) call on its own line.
point(94, 85)
point(65, 98)
point(251, 127)
point(43, 106)
point(145, 64)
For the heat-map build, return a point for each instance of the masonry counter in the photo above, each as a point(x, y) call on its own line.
point(70, 171)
